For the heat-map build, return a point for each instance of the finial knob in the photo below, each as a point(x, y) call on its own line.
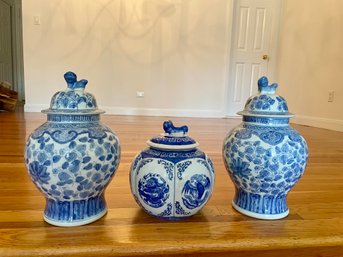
point(170, 129)
point(264, 88)
point(72, 83)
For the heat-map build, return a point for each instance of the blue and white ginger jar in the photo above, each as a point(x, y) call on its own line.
point(172, 179)
point(264, 156)
point(72, 157)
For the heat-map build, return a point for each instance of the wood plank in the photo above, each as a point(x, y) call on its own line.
point(313, 228)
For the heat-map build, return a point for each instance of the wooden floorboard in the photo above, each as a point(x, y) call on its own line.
point(313, 228)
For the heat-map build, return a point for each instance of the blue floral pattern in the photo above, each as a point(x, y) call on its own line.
point(173, 156)
point(264, 156)
point(264, 161)
point(137, 159)
point(77, 168)
point(169, 167)
point(142, 163)
point(73, 100)
point(210, 163)
point(241, 168)
point(39, 172)
point(180, 210)
point(167, 212)
point(266, 102)
point(207, 163)
point(181, 168)
point(263, 168)
point(262, 103)
point(67, 132)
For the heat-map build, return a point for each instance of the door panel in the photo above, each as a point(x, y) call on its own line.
point(254, 24)
point(255, 73)
point(239, 76)
point(6, 65)
point(243, 28)
point(260, 22)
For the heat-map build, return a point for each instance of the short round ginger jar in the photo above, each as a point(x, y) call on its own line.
point(264, 156)
point(72, 157)
point(172, 179)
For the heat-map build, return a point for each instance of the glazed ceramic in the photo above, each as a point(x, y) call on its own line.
point(264, 156)
point(72, 157)
point(172, 178)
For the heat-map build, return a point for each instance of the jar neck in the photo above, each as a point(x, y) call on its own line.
point(76, 118)
point(266, 121)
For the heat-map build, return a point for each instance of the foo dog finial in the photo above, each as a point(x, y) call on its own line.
point(264, 88)
point(170, 129)
point(71, 79)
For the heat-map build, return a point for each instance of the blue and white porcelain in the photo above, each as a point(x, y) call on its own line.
point(264, 156)
point(172, 179)
point(72, 157)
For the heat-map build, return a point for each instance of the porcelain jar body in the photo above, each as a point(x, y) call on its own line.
point(172, 184)
point(71, 159)
point(265, 158)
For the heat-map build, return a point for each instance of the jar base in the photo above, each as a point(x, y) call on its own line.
point(76, 222)
point(260, 215)
point(74, 213)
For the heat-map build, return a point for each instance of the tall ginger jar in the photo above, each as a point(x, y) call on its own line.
point(72, 157)
point(264, 156)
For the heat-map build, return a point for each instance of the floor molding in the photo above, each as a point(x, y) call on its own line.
point(318, 122)
point(145, 111)
point(34, 107)
point(164, 112)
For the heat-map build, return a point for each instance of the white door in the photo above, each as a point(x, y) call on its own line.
point(6, 65)
point(11, 45)
point(253, 48)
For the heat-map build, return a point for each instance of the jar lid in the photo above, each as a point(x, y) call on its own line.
point(266, 103)
point(73, 100)
point(174, 138)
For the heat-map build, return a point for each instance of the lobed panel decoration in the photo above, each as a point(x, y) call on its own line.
point(172, 179)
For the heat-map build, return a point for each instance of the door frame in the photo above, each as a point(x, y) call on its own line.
point(273, 62)
point(17, 47)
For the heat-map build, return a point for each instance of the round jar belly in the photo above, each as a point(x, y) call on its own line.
point(264, 163)
point(172, 184)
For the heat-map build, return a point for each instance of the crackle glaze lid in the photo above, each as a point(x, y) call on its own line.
point(173, 138)
point(73, 100)
point(266, 103)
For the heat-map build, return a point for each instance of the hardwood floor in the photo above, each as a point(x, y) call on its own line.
point(313, 228)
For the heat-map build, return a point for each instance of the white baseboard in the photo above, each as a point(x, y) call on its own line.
point(164, 112)
point(35, 107)
point(318, 122)
point(145, 111)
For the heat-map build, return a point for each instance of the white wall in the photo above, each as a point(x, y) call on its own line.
point(176, 52)
point(310, 61)
point(173, 50)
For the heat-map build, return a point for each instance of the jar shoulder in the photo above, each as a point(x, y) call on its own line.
point(66, 132)
point(173, 156)
point(171, 159)
point(272, 135)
